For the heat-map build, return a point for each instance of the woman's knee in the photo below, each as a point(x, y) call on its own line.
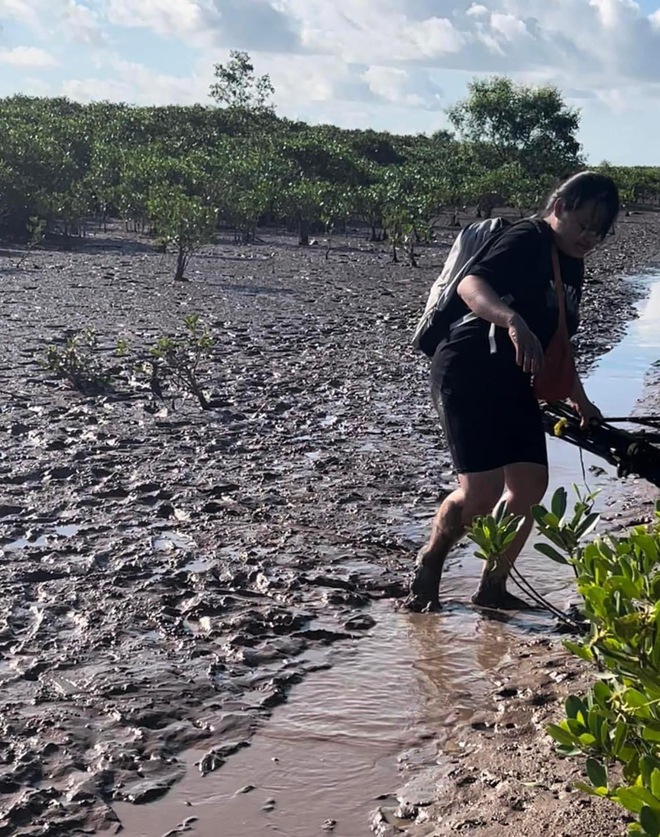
point(480, 493)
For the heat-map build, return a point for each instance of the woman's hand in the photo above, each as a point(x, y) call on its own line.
point(588, 412)
point(529, 352)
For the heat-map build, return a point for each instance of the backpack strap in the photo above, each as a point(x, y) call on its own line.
point(541, 227)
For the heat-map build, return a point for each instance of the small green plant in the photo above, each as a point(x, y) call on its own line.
point(77, 363)
point(122, 347)
point(566, 534)
point(36, 228)
point(181, 359)
point(616, 726)
point(494, 534)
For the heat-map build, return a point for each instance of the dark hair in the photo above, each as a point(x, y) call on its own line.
point(586, 187)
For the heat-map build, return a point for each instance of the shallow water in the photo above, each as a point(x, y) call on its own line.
point(332, 750)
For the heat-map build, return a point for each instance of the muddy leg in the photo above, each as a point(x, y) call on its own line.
point(526, 484)
point(446, 530)
point(477, 493)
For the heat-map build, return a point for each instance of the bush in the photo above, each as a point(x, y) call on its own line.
point(77, 362)
point(616, 726)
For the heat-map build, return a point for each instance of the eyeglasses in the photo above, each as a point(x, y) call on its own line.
point(589, 232)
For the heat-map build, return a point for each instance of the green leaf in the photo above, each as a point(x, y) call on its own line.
point(605, 737)
point(561, 735)
point(575, 708)
point(639, 796)
point(651, 734)
point(629, 799)
point(550, 552)
point(636, 699)
point(655, 782)
point(602, 693)
point(559, 502)
point(585, 788)
point(579, 650)
point(539, 513)
point(597, 773)
point(509, 539)
point(587, 525)
point(650, 821)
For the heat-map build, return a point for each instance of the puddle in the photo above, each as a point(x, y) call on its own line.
point(68, 531)
point(167, 541)
point(331, 750)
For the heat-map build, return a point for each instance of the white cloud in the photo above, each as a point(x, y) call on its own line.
point(82, 23)
point(28, 58)
point(344, 59)
point(509, 26)
point(178, 18)
point(432, 38)
point(239, 24)
point(609, 41)
point(134, 83)
point(401, 87)
point(606, 42)
point(392, 85)
point(20, 10)
point(69, 20)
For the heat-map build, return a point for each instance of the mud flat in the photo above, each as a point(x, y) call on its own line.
point(169, 574)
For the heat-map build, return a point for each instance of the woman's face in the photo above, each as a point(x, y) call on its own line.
point(578, 231)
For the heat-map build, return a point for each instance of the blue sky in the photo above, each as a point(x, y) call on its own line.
point(387, 64)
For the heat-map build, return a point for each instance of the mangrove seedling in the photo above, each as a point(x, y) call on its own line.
point(181, 359)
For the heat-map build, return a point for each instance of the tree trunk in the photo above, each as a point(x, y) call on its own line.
point(181, 264)
point(303, 238)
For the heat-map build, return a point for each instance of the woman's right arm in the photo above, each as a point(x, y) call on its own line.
point(486, 303)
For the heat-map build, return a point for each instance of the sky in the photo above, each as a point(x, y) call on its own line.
point(393, 65)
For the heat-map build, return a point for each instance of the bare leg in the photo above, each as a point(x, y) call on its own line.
point(526, 484)
point(476, 494)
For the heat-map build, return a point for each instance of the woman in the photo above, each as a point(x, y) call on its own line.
point(505, 315)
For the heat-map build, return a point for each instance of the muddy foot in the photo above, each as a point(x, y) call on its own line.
point(423, 596)
point(500, 599)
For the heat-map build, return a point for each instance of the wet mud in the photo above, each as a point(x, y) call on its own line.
point(168, 573)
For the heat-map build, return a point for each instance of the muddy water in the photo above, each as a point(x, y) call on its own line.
point(331, 750)
point(324, 760)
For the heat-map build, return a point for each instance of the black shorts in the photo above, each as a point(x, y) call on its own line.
point(489, 415)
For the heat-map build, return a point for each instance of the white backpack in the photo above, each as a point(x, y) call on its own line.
point(471, 243)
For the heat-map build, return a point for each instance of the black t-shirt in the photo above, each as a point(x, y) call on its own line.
point(518, 266)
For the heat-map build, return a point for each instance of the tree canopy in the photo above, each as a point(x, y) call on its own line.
point(241, 165)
